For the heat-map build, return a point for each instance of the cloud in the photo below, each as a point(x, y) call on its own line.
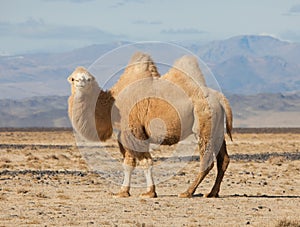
point(295, 9)
point(38, 29)
point(293, 36)
point(71, 1)
point(125, 2)
point(182, 31)
point(81, 1)
point(145, 22)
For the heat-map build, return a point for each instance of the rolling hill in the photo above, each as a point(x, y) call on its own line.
point(241, 65)
point(260, 110)
point(259, 74)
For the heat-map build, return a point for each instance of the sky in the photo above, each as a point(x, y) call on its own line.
point(59, 25)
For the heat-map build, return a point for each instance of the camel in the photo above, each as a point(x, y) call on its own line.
point(147, 108)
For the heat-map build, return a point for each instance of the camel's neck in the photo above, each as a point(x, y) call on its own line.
point(83, 113)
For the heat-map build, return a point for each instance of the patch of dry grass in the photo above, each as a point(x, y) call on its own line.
point(288, 223)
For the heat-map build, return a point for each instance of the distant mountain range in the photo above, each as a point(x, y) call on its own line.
point(253, 64)
point(44, 74)
point(259, 74)
point(241, 65)
point(41, 111)
point(262, 110)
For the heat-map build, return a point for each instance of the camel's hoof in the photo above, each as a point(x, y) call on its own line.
point(121, 195)
point(185, 195)
point(148, 195)
point(211, 195)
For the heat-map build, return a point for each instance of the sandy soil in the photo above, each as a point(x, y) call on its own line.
point(45, 181)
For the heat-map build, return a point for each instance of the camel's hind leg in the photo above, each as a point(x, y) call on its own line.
point(222, 164)
point(206, 164)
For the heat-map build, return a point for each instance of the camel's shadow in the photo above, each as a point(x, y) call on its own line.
point(262, 196)
point(200, 195)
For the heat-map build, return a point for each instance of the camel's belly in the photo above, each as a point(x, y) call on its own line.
point(168, 138)
point(166, 124)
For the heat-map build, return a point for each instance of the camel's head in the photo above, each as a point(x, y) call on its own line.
point(81, 79)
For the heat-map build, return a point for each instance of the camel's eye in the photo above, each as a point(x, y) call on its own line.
point(89, 79)
point(72, 79)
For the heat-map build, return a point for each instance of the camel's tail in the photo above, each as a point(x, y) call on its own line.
point(228, 112)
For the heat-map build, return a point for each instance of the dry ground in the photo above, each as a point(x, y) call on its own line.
point(45, 181)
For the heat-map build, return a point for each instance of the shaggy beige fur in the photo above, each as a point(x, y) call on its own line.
point(139, 67)
point(189, 66)
point(147, 108)
point(209, 109)
point(89, 106)
point(187, 74)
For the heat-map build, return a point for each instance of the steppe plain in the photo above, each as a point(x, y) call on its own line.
point(46, 180)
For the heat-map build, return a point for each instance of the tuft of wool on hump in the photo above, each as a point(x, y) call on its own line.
point(189, 66)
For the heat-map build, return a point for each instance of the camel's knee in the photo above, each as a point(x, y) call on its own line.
point(211, 165)
point(206, 161)
point(223, 164)
point(223, 158)
point(146, 163)
point(129, 160)
point(226, 162)
point(121, 148)
point(145, 160)
point(206, 166)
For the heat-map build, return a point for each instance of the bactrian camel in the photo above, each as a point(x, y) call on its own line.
point(145, 108)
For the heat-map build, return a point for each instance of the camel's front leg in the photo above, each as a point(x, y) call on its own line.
point(128, 165)
point(146, 162)
point(150, 184)
point(124, 192)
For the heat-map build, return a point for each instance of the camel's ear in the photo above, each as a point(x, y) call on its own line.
point(92, 77)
